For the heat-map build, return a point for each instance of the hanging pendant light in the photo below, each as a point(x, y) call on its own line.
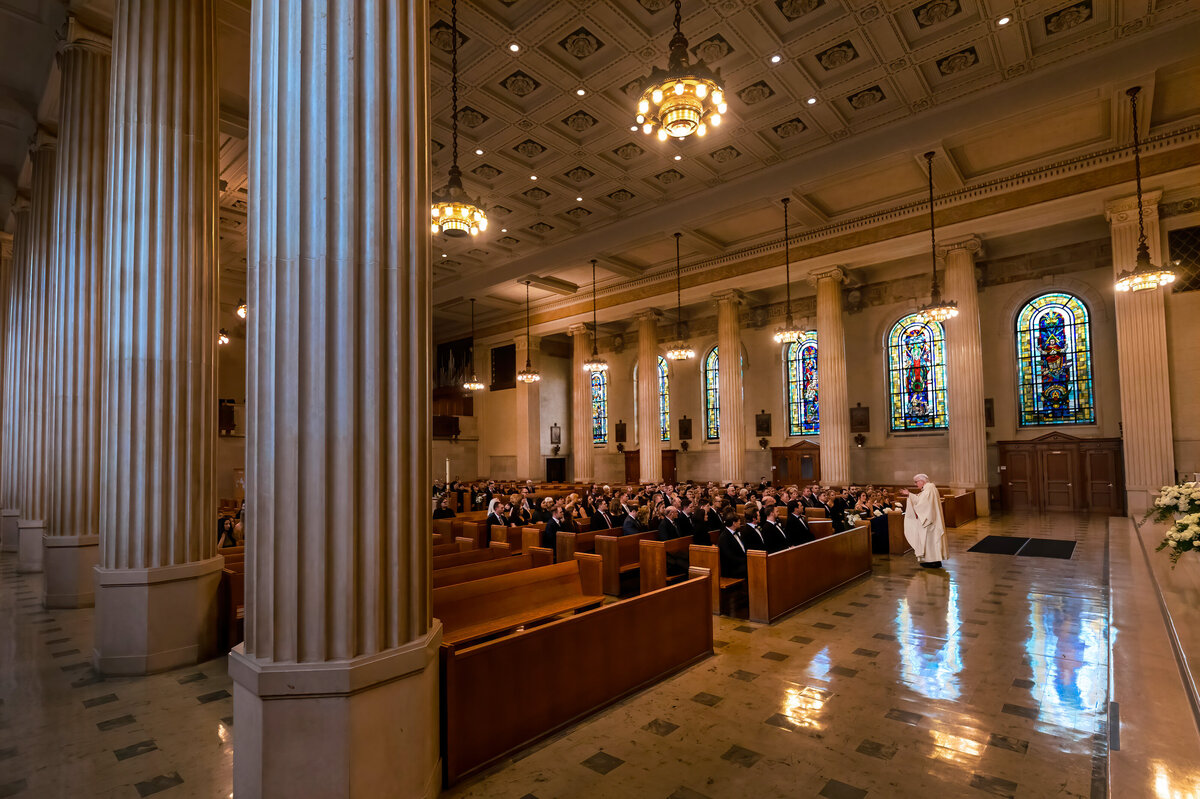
point(679, 351)
point(594, 363)
point(455, 214)
point(1144, 276)
point(222, 337)
point(473, 384)
point(241, 309)
point(528, 374)
point(684, 98)
point(938, 310)
point(789, 332)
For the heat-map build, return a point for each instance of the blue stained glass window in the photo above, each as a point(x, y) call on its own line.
point(801, 363)
point(664, 400)
point(916, 357)
point(712, 397)
point(599, 408)
point(1054, 361)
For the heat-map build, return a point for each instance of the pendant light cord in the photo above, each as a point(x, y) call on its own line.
point(932, 235)
point(1137, 167)
point(528, 365)
point(472, 337)
point(595, 328)
point(787, 260)
point(678, 292)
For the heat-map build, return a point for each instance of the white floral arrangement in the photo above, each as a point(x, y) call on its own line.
point(1179, 504)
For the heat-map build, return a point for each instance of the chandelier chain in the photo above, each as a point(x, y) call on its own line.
point(1137, 170)
point(678, 17)
point(595, 327)
point(932, 234)
point(678, 291)
point(454, 84)
point(787, 260)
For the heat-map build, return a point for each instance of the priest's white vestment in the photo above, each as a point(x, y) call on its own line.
point(923, 525)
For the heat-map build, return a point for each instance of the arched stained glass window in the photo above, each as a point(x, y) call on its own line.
point(664, 400)
point(599, 408)
point(800, 362)
point(712, 397)
point(916, 357)
point(1054, 361)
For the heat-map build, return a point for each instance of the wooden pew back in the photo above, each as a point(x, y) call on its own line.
point(652, 557)
point(496, 550)
point(619, 554)
point(782, 581)
point(709, 557)
point(535, 557)
point(569, 543)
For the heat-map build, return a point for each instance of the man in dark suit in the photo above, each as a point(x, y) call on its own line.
point(824, 504)
point(699, 523)
point(713, 520)
point(774, 537)
point(807, 499)
point(684, 520)
point(601, 520)
point(667, 528)
point(732, 548)
point(750, 534)
point(549, 535)
point(797, 530)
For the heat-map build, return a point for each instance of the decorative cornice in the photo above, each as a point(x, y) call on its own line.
point(820, 273)
point(1125, 209)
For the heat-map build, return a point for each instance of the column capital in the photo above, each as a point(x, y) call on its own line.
point(733, 296)
point(525, 342)
point(20, 205)
point(651, 314)
point(1124, 210)
point(43, 140)
point(820, 273)
point(81, 37)
point(578, 329)
point(971, 244)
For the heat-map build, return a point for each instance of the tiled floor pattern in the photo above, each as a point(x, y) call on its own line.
point(986, 679)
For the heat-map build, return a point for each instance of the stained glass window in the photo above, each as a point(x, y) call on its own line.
point(664, 400)
point(712, 397)
point(801, 363)
point(916, 355)
point(1054, 361)
point(599, 408)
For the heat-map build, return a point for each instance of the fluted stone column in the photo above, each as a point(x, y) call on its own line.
point(157, 579)
point(8, 514)
point(33, 491)
point(1142, 359)
point(964, 367)
point(335, 687)
point(583, 452)
point(833, 395)
point(530, 465)
point(15, 331)
point(71, 544)
point(649, 436)
point(732, 446)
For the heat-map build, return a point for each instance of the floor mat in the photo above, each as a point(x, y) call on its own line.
point(1048, 548)
point(999, 545)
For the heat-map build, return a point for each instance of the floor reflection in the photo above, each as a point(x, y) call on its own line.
point(933, 674)
point(1067, 650)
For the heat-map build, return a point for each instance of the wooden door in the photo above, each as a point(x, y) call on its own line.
point(1058, 479)
point(1019, 485)
point(556, 470)
point(668, 466)
point(633, 467)
point(1102, 469)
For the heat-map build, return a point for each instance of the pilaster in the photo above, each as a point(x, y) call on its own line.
point(582, 450)
point(832, 392)
point(964, 366)
point(13, 441)
point(729, 382)
point(649, 436)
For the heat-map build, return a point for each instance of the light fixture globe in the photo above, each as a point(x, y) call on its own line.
point(684, 98)
point(473, 384)
point(454, 213)
point(680, 351)
point(241, 309)
point(788, 333)
point(595, 364)
point(222, 337)
point(938, 310)
point(1144, 276)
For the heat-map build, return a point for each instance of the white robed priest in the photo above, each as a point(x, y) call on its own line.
point(923, 524)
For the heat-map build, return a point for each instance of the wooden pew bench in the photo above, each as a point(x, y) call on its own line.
point(709, 557)
point(495, 550)
point(492, 606)
point(518, 538)
point(620, 555)
point(652, 557)
point(533, 558)
point(569, 668)
point(568, 543)
point(231, 604)
point(783, 581)
point(458, 545)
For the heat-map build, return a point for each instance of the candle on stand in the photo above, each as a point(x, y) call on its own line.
point(447, 472)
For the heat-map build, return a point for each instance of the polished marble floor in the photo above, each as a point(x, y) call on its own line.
point(989, 678)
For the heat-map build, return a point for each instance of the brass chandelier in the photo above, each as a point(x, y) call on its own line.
point(789, 332)
point(473, 384)
point(938, 310)
point(528, 374)
point(684, 98)
point(595, 363)
point(454, 213)
point(680, 350)
point(1144, 276)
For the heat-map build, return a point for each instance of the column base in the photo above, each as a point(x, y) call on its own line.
point(70, 562)
point(366, 727)
point(8, 529)
point(150, 620)
point(29, 545)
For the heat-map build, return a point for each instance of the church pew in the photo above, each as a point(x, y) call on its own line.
point(652, 557)
point(473, 611)
point(783, 581)
point(958, 509)
point(231, 605)
point(897, 543)
point(573, 667)
point(820, 527)
point(814, 513)
point(568, 543)
point(709, 558)
point(444, 528)
point(458, 545)
point(535, 557)
point(479, 531)
point(619, 555)
point(490, 552)
point(519, 538)
point(229, 551)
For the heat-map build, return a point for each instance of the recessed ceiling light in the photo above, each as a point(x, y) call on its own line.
point(775, 59)
point(503, 230)
point(533, 177)
point(443, 255)
point(679, 158)
point(812, 100)
point(578, 199)
point(633, 128)
point(514, 47)
point(1003, 20)
point(581, 92)
point(479, 152)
